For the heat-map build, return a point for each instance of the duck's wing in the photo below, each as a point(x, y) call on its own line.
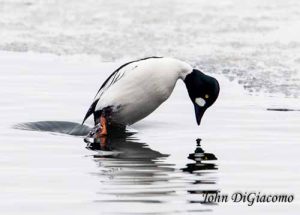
point(112, 79)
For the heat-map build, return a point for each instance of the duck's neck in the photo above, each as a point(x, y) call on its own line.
point(184, 70)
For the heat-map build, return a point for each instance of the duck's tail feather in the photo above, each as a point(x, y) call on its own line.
point(90, 111)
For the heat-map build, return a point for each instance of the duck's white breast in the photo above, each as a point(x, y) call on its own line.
point(144, 86)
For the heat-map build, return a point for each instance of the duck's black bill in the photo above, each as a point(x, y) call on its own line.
point(199, 111)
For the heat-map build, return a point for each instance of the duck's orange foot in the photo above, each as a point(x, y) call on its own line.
point(103, 131)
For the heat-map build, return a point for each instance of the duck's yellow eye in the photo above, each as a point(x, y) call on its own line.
point(206, 96)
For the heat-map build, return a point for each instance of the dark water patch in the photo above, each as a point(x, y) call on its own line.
point(202, 202)
point(204, 182)
point(130, 201)
point(203, 191)
point(62, 127)
point(282, 109)
point(70, 128)
point(192, 167)
point(141, 194)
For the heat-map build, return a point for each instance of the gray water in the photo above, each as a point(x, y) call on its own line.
point(56, 54)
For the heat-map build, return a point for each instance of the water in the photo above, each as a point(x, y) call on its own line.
point(56, 54)
point(132, 173)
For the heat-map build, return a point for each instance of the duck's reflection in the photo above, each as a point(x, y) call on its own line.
point(200, 157)
point(202, 168)
point(132, 172)
point(129, 161)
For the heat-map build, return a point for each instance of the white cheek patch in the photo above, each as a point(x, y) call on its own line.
point(199, 101)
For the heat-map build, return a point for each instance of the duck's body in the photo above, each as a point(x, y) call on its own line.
point(144, 86)
point(137, 88)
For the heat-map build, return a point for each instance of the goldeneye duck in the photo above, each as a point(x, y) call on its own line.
point(137, 88)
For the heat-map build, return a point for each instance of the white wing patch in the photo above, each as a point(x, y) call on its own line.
point(200, 101)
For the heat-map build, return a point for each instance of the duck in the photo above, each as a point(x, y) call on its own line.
point(137, 88)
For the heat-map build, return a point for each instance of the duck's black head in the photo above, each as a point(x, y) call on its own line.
point(203, 91)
